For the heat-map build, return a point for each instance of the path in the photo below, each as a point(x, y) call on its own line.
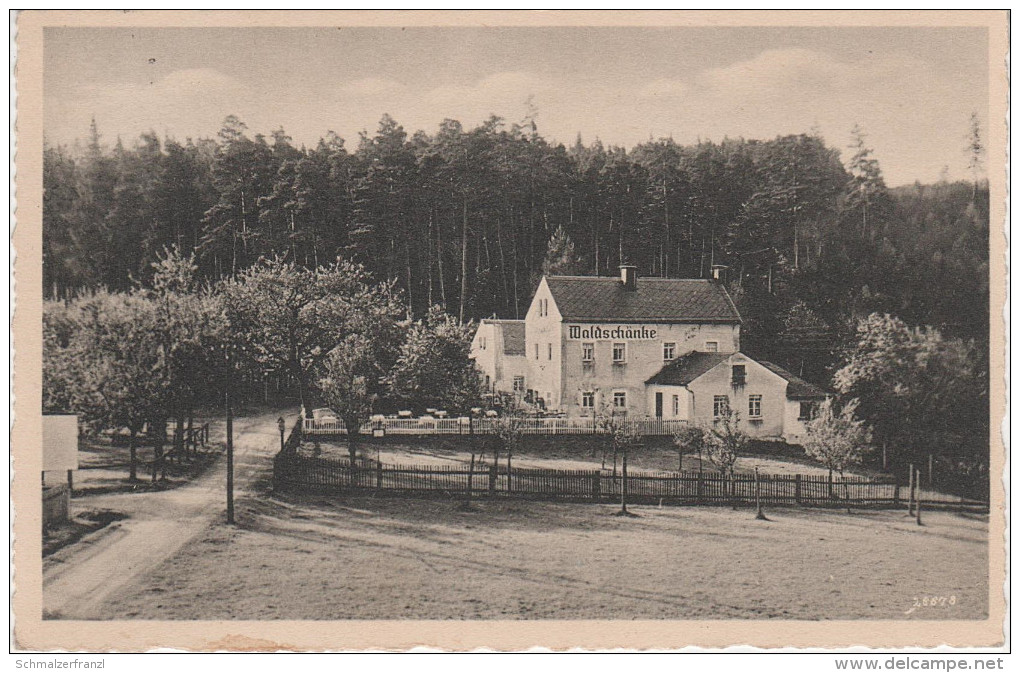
point(79, 578)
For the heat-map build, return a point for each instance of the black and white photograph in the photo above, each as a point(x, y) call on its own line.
point(502, 323)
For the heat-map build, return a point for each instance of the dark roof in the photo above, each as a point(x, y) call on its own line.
point(797, 388)
point(513, 335)
point(687, 367)
point(604, 299)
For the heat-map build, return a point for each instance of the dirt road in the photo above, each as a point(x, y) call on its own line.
point(80, 578)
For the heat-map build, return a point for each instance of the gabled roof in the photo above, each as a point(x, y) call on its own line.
point(797, 388)
point(513, 335)
point(693, 365)
point(687, 367)
point(604, 299)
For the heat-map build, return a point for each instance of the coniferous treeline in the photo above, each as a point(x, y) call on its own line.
point(463, 218)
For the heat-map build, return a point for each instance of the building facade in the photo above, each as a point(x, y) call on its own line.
point(498, 350)
point(644, 347)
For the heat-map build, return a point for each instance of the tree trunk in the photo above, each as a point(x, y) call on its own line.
point(159, 441)
point(179, 434)
point(133, 449)
point(439, 261)
point(191, 431)
point(353, 434)
point(463, 259)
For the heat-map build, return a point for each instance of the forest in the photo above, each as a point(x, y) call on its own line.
point(468, 219)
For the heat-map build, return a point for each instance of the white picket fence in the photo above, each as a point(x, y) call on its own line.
point(484, 426)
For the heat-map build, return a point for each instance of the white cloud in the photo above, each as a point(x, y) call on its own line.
point(663, 89)
point(777, 68)
point(198, 81)
point(371, 87)
point(505, 94)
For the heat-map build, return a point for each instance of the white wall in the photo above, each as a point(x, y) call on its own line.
point(668, 392)
point(644, 359)
point(544, 373)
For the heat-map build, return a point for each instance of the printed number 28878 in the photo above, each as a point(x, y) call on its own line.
point(934, 601)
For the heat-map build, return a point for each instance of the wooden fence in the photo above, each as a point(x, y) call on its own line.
point(293, 472)
point(485, 426)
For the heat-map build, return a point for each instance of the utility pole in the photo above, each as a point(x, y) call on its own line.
point(227, 382)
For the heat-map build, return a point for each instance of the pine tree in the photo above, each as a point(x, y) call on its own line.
point(976, 151)
point(560, 258)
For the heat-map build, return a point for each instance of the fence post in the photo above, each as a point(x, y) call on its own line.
point(918, 503)
point(492, 479)
point(596, 485)
point(796, 490)
point(931, 471)
point(896, 490)
point(378, 474)
point(757, 496)
point(910, 502)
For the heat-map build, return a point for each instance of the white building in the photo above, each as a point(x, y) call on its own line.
point(646, 347)
point(498, 350)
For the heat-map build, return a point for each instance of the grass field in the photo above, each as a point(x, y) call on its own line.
point(368, 558)
point(562, 453)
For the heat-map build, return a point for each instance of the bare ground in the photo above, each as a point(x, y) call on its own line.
point(392, 558)
point(79, 579)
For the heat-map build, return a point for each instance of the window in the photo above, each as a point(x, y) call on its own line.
point(620, 399)
point(588, 400)
point(807, 411)
point(588, 352)
point(550, 351)
point(536, 351)
point(711, 346)
point(739, 375)
point(676, 405)
point(720, 405)
point(518, 384)
point(488, 382)
point(754, 406)
point(619, 353)
point(482, 343)
point(668, 350)
point(543, 307)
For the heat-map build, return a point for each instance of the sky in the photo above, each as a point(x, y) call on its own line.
point(912, 89)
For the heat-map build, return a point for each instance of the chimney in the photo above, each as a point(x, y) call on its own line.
point(628, 276)
point(717, 270)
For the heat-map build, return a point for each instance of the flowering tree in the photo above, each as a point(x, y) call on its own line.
point(623, 434)
point(921, 392)
point(725, 441)
point(837, 439)
point(101, 362)
point(292, 318)
point(688, 439)
point(345, 385)
point(434, 367)
point(509, 426)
